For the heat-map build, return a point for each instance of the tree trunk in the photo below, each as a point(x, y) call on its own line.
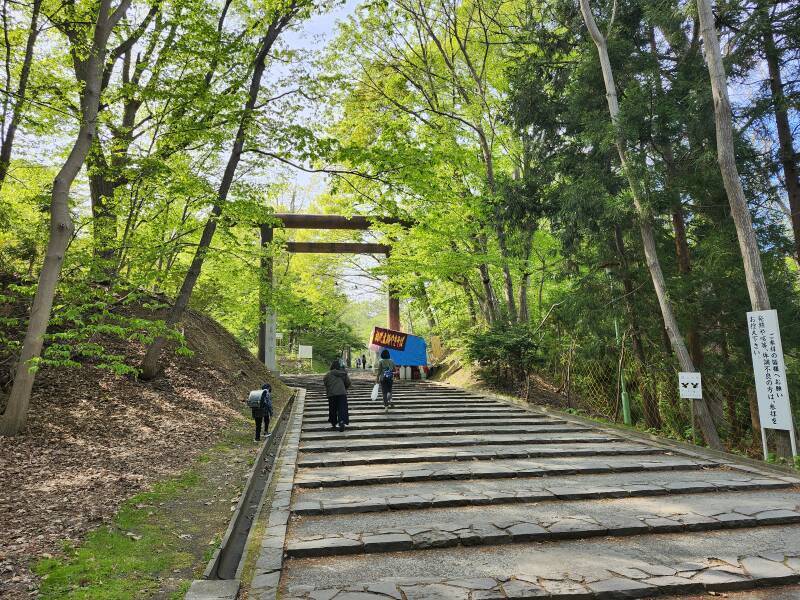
point(524, 285)
point(151, 364)
point(748, 245)
point(652, 415)
point(104, 214)
point(646, 229)
point(426, 305)
point(492, 309)
point(785, 143)
point(726, 157)
point(22, 89)
point(61, 225)
point(473, 312)
point(499, 226)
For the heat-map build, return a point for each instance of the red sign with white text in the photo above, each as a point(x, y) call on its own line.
point(387, 338)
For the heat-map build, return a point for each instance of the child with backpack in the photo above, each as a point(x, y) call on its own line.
point(260, 403)
point(385, 376)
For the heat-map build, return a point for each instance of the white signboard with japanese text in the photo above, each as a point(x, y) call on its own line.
point(769, 370)
point(690, 385)
point(305, 351)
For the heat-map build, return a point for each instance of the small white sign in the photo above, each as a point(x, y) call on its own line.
point(769, 370)
point(690, 385)
point(305, 351)
point(279, 335)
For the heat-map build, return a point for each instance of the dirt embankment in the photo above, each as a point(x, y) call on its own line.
point(94, 439)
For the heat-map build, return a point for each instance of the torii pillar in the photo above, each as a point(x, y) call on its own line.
point(267, 327)
point(394, 306)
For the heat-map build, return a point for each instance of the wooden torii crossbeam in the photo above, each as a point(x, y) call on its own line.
point(266, 334)
point(357, 222)
point(337, 248)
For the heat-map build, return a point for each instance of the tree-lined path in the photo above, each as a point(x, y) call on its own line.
point(456, 495)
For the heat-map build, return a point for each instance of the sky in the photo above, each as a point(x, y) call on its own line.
point(312, 36)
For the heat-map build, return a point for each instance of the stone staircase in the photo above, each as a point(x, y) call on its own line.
point(451, 495)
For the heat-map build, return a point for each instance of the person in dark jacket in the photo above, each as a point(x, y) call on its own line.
point(337, 382)
point(264, 412)
point(385, 377)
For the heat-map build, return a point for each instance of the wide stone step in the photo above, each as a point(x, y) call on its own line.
point(645, 566)
point(402, 404)
point(410, 407)
point(398, 391)
point(505, 524)
point(377, 409)
point(396, 422)
point(351, 445)
point(597, 447)
point(407, 395)
point(439, 431)
point(423, 495)
point(497, 469)
point(445, 417)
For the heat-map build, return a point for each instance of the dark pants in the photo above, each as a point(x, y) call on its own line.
point(258, 416)
point(386, 389)
point(337, 410)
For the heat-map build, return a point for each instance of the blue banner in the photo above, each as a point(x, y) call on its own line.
point(413, 354)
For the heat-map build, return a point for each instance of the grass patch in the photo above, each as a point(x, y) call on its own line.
point(159, 539)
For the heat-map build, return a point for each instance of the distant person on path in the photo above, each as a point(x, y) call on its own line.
point(363, 362)
point(385, 376)
point(260, 403)
point(337, 382)
point(358, 362)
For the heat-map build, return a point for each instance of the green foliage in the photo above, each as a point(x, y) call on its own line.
point(483, 123)
point(506, 353)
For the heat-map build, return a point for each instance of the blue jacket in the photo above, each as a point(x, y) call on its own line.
point(266, 402)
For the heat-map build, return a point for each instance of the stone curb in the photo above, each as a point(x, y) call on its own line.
point(493, 534)
point(414, 502)
point(267, 574)
point(642, 582)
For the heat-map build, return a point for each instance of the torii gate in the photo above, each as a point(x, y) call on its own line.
point(266, 334)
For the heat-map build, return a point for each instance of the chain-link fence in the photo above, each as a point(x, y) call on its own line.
point(594, 380)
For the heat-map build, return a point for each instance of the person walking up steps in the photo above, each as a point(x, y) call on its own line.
point(337, 382)
point(385, 376)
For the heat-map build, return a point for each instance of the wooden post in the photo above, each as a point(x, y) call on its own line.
point(394, 311)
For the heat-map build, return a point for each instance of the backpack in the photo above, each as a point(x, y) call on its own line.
point(388, 374)
point(254, 399)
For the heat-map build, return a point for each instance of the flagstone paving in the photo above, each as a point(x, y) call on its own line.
point(453, 496)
